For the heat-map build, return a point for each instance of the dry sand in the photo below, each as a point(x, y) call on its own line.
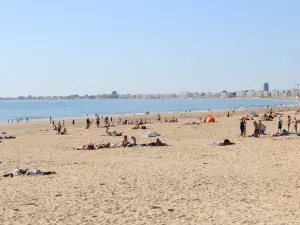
point(256, 181)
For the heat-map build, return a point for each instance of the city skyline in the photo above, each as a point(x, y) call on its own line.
point(262, 93)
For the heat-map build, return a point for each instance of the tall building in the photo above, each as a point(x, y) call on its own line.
point(114, 94)
point(266, 86)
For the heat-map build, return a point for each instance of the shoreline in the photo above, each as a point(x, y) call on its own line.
point(169, 115)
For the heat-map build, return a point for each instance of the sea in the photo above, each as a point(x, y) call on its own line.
point(70, 109)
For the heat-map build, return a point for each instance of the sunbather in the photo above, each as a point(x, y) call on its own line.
point(7, 137)
point(157, 143)
point(91, 146)
point(136, 127)
point(20, 172)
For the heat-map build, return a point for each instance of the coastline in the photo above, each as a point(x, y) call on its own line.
point(169, 115)
point(151, 99)
point(140, 115)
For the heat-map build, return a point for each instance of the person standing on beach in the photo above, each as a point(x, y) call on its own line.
point(256, 129)
point(8, 121)
point(98, 122)
point(73, 122)
point(158, 117)
point(243, 127)
point(295, 124)
point(289, 123)
point(27, 119)
point(279, 125)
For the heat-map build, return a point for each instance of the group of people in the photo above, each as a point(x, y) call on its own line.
point(289, 122)
point(125, 143)
point(259, 128)
point(61, 129)
point(18, 120)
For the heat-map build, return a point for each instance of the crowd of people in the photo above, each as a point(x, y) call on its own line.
point(124, 143)
point(259, 128)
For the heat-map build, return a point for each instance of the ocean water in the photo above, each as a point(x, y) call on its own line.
point(67, 109)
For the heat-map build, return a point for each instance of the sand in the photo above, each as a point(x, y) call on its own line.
point(193, 181)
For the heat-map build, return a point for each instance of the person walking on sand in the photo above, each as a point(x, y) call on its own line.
point(279, 125)
point(289, 123)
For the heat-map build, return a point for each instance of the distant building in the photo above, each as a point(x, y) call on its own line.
point(241, 94)
point(114, 94)
point(266, 87)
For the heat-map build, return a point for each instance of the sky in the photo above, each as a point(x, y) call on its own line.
point(63, 47)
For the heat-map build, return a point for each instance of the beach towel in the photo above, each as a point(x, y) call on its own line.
point(151, 134)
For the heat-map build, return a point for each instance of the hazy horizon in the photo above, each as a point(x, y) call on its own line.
point(69, 47)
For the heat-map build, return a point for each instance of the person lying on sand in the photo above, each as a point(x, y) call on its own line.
point(91, 146)
point(27, 172)
point(114, 133)
point(7, 137)
point(136, 127)
point(157, 143)
point(142, 127)
point(283, 133)
point(193, 123)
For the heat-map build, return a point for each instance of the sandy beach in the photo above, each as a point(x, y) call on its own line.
point(192, 181)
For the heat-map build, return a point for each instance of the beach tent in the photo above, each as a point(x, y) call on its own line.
point(151, 134)
point(209, 119)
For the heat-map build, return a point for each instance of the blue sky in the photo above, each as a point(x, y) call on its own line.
point(62, 47)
